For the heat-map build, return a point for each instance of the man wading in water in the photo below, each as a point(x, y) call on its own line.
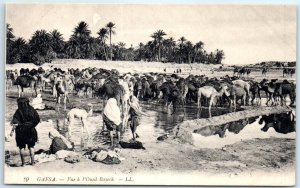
point(24, 122)
point(112, 119)
point(134, 115)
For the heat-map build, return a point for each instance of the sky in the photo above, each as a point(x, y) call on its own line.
point(246, 33)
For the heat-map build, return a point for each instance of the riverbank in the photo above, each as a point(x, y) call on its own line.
point(270, 160)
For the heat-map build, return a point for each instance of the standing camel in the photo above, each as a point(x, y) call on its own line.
point(183, 88)
point(236, 93)
point(211, 93)
point(26, 81)
point(245, 85)
point(61, 88)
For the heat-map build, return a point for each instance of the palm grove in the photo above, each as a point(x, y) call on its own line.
point(45, 46)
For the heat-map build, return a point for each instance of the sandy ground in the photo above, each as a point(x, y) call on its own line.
point(253, 161)
point(271, 157)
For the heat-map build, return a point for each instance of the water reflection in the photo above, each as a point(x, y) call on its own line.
point(234, 127)
point(282, 123)
point(167, 121)
point(159, 122)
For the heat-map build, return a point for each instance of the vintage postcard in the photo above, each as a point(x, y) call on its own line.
point(125, 94)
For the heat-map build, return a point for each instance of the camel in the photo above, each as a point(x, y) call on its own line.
point(26, 81)
point(171, 94)
point(82, 114)
point(86, 75)
point(146, 90)
point(137, 88)
point(245, 85)
point(125, 100)
point(283, 89)
point(241, 72)
point(235, 71)
point(211, 93)
point(255, 90)
point(155, 87)
point(10, 78)
point(61, 88)
point(237, 92)
point(269, 88)
point(288, 72)
point(183, 88)
point(112, 88)
point(165, 91)
point(50, 77)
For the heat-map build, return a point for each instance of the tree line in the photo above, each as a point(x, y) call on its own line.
point(44, 46)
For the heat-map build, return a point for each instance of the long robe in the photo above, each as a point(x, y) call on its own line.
point(25, 131)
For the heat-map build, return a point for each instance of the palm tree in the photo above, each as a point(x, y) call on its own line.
point(40, 47)
point(169, 48)
point(103, 32)
point(72, 49)
point(181, 40)
point(57, 41)
point(149, 50)
point(81, 30)
point(40, 41)
point(110, 26)
point(20, 50)
point(121, 46)
point(211, 58)
point(102, 35)
point(158, 37)
point(141, 47)
point(9, 33)
point(9, 41)
point(81, 38)
point(89, 48)
point(188, 48)
point(198, 47)
point(172, 43)
point(219, 55)
point(153, 45)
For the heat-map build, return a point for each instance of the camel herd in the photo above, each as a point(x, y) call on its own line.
point(170, 89)
point(239, 72)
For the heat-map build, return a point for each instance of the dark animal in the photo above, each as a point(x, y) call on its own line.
point(255, 91)
point(284, 89)
point(288, 72)
point(26, 81)
point(137, 88)
point(269, 88)
point(183, 89)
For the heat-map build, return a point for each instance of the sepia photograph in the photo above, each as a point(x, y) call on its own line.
point(150, 94)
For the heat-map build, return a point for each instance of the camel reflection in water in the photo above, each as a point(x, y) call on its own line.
point(168, 121)
point(282, 123)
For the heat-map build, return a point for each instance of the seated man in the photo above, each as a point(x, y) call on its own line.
point(59, 142)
